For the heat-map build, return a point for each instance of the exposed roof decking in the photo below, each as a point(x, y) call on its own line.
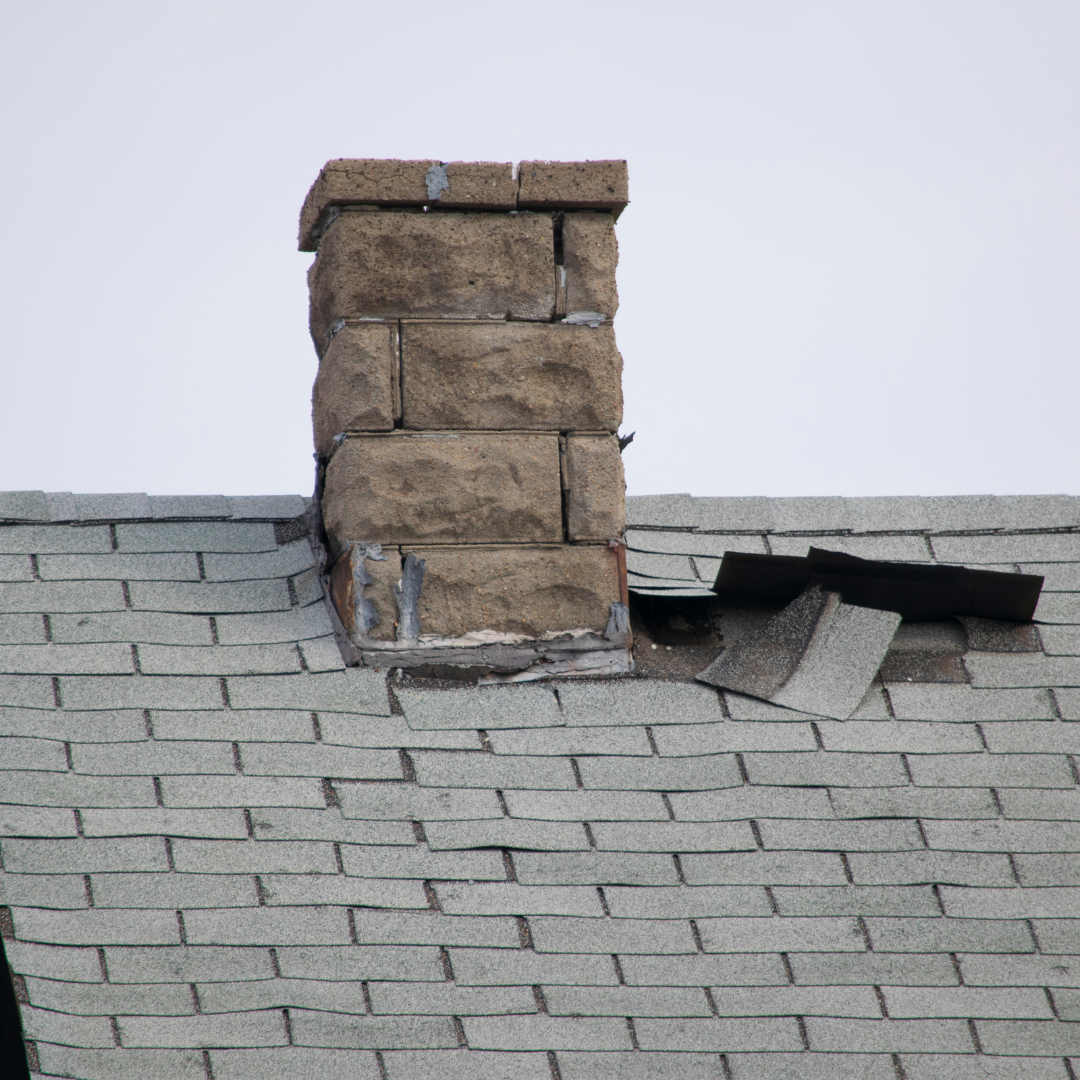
point(276, 869)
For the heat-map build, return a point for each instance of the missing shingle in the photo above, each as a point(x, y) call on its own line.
point(447, 967)
point(88, 888)
point(285, 532)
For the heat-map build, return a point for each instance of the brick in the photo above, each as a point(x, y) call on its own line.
point(477, 1064)
point(209, 597)
point(736, 736)
point(660, 774)
point(1015, 836)
point(757, 1034)
point(47, 1026)
point(1048, 870)
point(1033, 737)
point(573, 185)
point(508, 833)
point(796, 1001)
point(913, 802)
point(513, 967)
point(267, 926)
point(263, 1028)
point(899, 736)
point(382, 265)
point(132, 626)
point(304, 759)
point(546, 1032)
point(36, 821)
point(135, 692)
point(590, 255)
point(173, 891)
point(823, 767)
point(446, 999)
point(292, 625)
point(752, 802)
point(558, 934)
point(586, 805)
point(488, 707)
point(1019, 1003)
point(60, 891)
point(1035, 1037)
point(253, 857)
point(874, 968)
point(890, 1036)
point(218, 660)
point(455, 488)
point(685, 902)
point(936, 702)
point(53, 962)
point(949, 935)
point(408, 801)
point(152, 758)
point(97, 999)
point(96, 927)
point(355, 690)
point(419, 862)
point(88, 856)
point(57, 596)
point(508, 375)
point(814, 1065)
point(576, 740)
point(355, 387)
point(436, 768)
point(398, 928)
point(258, 1064)
point(510, 589)
point(351, 963)
point(981, 969)
point(784, 934)
point(204, 536)
point(271, 823)
point(66, 789)
point(206, 824)
point(626, 1001)
point(673, 836)
point(765, 868)
point(114, 1064)
point(926, 867)
point(593, 868)
point(246, 791)
point(841, 835)
point(638, 701)
point(1010, 903)
point(595, 487)
point(735, 969)
point(856, 900)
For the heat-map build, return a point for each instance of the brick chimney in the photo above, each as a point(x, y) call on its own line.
point(466, 410)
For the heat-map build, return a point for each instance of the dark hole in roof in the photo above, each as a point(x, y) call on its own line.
point(912, 590)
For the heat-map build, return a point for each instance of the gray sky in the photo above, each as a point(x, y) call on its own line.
point(851, 264)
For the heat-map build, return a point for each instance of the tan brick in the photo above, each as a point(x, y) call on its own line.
point(595, 487)
point(573, 185)
point(479, 185)
point(453, 488)
point(386, 264)
point(354, 389)
point(513, 375)
point(362, 180)
point(591, 253)
point(346, 582)
point(516, 589)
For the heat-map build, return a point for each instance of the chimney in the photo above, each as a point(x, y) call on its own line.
point(466, 411)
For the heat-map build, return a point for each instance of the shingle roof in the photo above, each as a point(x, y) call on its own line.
point(226, 855)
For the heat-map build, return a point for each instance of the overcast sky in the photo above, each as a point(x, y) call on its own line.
point(851, 263)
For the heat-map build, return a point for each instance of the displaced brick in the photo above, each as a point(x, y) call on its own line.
point(354, 389)
point(409, 265)
point(573, 185)
point(474, 488)
point(591, 254)
point(595, 487)
point(517, 589)
point(512, 375)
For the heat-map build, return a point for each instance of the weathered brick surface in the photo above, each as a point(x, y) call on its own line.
point(516, 589)
point(401, 264)
point(466, 488)
point(591, 254)
point(477, 185)
point(573, 185)
point(354, 390)
point(510, 376)
point(595, 487)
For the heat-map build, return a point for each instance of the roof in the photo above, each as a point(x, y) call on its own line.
point(226, 855)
